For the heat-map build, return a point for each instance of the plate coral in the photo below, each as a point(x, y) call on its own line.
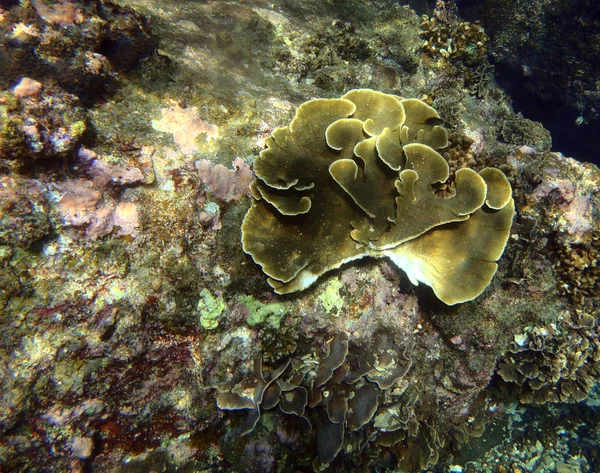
point(360, 176)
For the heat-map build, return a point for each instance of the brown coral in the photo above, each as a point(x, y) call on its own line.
point(556, 363)
point(356, 398)
point(579, 269)
point(359, 176)
point(341, 395)
point(446, 38)
point(457, 48)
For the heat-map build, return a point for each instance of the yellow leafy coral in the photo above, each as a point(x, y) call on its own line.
point(360, 176)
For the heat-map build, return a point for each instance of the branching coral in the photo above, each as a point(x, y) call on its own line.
point(359, 176)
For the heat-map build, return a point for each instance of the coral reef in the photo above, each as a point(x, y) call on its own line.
point(559, 363)
point(74, 43)
point(128, 307)
point(374, 146)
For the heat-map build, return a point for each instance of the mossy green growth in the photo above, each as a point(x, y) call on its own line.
point(210, 309)
point(11, 133)
point(117, 292)
point(330, 297)
point(12, 137)
point(77, 129)
point(260, 313)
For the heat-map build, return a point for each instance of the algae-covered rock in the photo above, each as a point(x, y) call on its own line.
point(210, 309)
point(39, 123)
point(565, 99)
point(77, 45)
point(360, 176)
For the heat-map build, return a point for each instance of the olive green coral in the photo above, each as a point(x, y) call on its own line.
point(360, 176)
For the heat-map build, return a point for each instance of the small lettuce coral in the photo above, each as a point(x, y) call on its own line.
point(336, 395)
point(360, 176)
point(259, 313)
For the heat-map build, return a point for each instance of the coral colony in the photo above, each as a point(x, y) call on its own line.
point(360, 176)
point(207, 247)
point(338, 396)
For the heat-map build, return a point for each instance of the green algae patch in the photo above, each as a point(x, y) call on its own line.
point(210, 309)
point(259, 313)
point(330, 297)
point(117, 292)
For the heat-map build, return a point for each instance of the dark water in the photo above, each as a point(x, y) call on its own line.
point(547, 59)
point(571, 139)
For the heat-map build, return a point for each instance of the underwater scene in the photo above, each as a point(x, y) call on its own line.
point(299, 236)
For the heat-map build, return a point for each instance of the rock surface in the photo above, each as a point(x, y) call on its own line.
point(127, 304)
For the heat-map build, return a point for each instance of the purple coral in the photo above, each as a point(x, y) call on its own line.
point(225, 183)
point(80, 205)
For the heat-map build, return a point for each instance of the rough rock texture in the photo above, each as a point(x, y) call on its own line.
point(127, 303)
point(77, 44)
